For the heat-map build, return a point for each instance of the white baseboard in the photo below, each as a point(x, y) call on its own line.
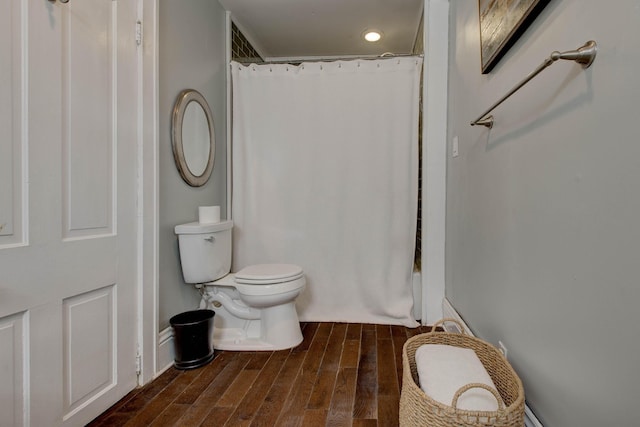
point(530, 419)
point(449, 311)
point(166, 350)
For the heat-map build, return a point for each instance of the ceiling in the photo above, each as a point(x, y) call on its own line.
point(326, 28)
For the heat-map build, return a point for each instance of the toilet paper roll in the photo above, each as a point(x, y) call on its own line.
point(208, 214)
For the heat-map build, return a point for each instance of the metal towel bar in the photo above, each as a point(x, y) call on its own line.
point(584, 55)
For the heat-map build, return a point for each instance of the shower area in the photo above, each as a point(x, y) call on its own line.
point(325, 173)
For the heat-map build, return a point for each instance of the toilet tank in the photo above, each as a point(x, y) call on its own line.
point(205, 250)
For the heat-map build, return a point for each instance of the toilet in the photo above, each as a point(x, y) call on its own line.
point(255, 307)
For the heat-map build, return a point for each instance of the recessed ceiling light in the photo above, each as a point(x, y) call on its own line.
point(372, 35)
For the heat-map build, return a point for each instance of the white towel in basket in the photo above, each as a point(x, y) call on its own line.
point(443, 369)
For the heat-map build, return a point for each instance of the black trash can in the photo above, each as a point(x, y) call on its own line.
point(192, 338)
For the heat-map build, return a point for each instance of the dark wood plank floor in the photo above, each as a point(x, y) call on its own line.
point(340, 375)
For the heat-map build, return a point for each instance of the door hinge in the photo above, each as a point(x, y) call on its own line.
point(138, 364)
point(139, 33)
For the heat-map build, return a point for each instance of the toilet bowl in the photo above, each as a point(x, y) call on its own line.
point(255, 307)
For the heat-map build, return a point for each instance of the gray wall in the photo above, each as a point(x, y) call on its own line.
point(543, 238)
point(191, 55)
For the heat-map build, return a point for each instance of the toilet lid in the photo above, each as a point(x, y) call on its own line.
point(264, 274)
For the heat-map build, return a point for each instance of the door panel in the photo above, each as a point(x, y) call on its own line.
point(12, 367)
point(89, 327)
point(12, 100)
point(89, 41)
point(72, 141)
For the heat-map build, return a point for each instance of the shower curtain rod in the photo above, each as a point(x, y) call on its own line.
point(386, 55)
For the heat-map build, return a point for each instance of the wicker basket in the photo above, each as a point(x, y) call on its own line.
point(418, 409)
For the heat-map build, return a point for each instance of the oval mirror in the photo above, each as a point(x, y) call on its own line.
point(193, 137)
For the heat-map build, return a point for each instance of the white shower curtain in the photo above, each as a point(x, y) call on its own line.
point(325, 175)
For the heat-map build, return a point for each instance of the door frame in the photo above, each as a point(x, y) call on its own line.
point(434, 162)
point(148, 192)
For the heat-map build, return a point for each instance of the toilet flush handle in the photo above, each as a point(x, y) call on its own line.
point(210, 239)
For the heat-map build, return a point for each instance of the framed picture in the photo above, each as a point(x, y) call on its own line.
point(501, 23)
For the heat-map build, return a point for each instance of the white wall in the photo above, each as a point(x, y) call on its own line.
point(543, 241)
point(191, 55)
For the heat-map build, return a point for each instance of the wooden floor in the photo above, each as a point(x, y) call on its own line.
point(340, 375)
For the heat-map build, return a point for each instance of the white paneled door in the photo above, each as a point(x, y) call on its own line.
point(68, 188)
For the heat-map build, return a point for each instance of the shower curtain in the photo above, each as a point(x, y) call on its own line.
point(325, 175)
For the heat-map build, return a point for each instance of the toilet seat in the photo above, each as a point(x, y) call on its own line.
point(268, 274)
point(269, 279)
